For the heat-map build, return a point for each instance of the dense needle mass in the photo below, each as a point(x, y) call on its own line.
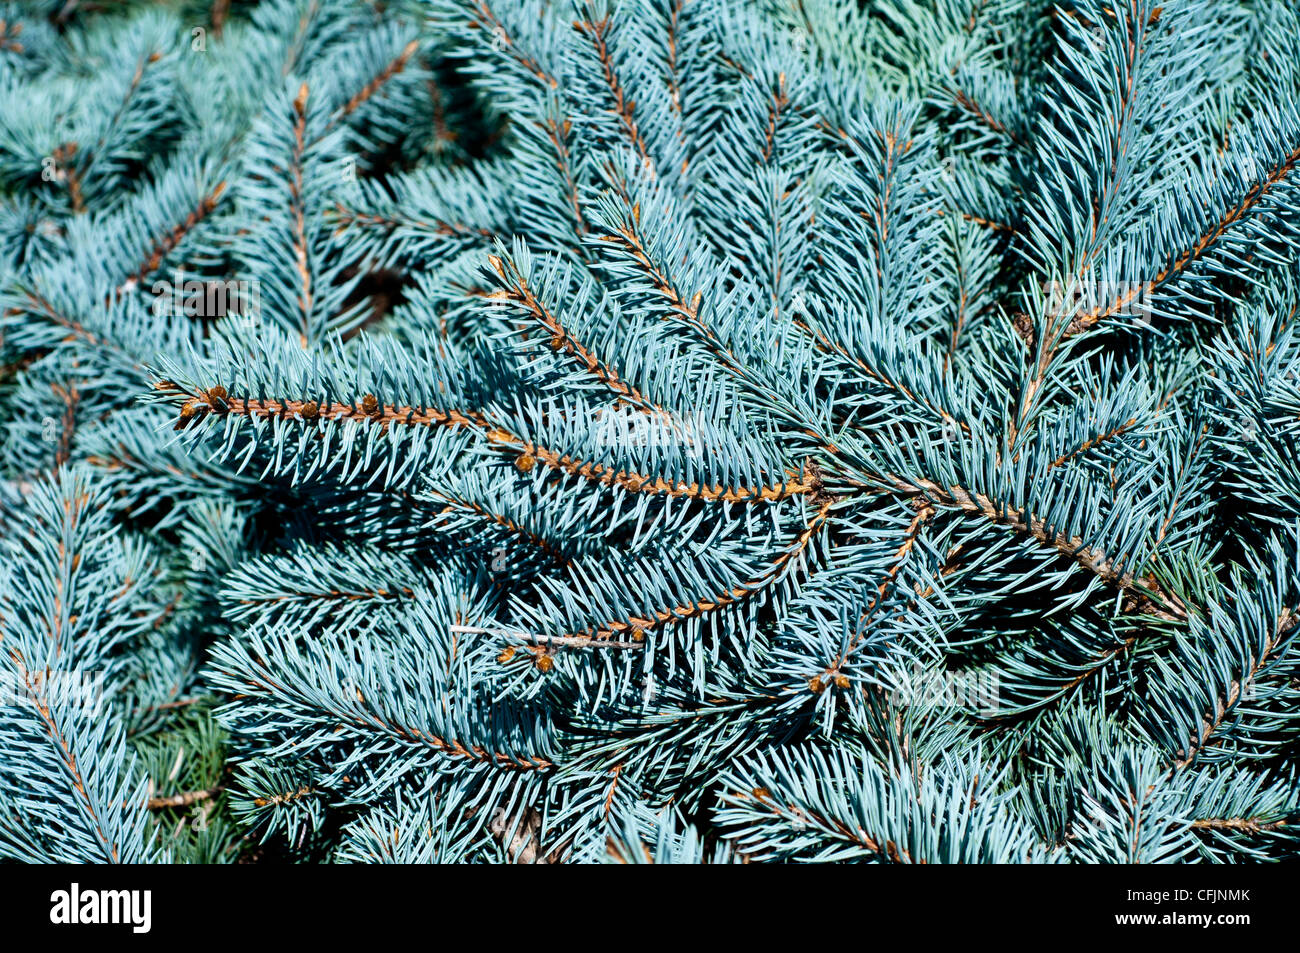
point(674, 430)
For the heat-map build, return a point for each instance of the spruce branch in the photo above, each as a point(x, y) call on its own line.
point(198, 404)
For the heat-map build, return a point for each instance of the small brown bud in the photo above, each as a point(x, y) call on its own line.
point(525, 462)
point(815, 685)
point(310, 410)
point(187, 410)
point(638, 635)
point(506, 655)
point(544, 663)
point(370, 404)
point(841, 680)
point(217, 392)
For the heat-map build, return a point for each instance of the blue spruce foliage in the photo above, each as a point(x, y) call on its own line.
point(673, 431)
